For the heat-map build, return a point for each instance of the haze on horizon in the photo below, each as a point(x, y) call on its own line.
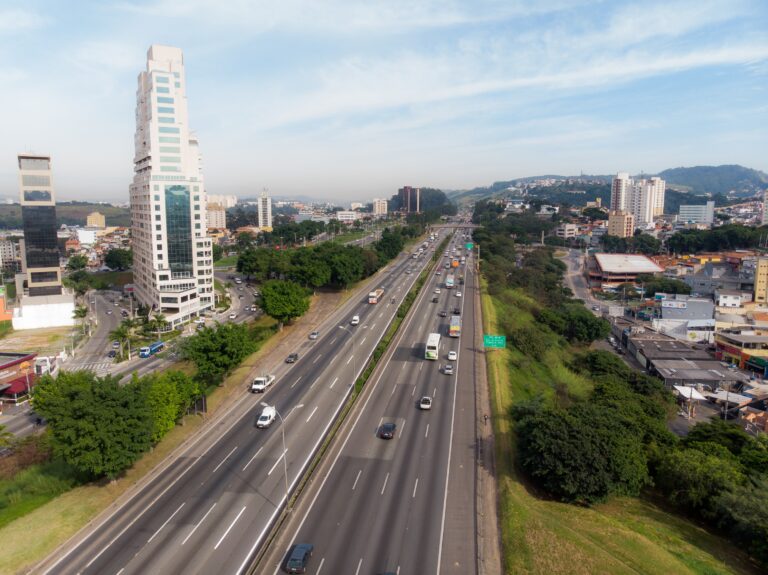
point(351, 100)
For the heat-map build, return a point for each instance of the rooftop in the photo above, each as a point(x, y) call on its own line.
point(627, 263)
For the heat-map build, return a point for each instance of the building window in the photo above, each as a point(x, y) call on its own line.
point(27, 180)
point(168, 130)
point(197, 226)
point(157, 196)
point(37, 196)
point(157, 206)
point(161, 79)
point(157, 217)
point(40, 277)
point(158, 228)
point(159, 246)
point(169, 140)
point(177, 84)
point(165, 110)
point(173, 159)
point(170, 169)
point(34, 164)
point(159, 237)
point(164, 120)
point(163, 90)
point(170, 149)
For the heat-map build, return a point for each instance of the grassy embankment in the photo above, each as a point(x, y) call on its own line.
point(226, 262)
point(624, 535)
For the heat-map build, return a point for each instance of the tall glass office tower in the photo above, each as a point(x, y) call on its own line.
point(172, 255)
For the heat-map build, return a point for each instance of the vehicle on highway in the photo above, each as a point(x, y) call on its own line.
point(355, 320)
point(387, 430)
point(448, 369)
point(109, 312)
point(152, 349)
point(261, 383)
point(116, 303)
point(458, 294)
point(454, 327)
point(112, 353)
point(233, 315)
point(375, 295)
point(452, 355)
point(433, 346)
point(443, 313)
point(595, 308)
point(115, 344)
point(292, 358)
point(299, 558)
point(434, 299)
point(314, 335)
point(266, 418)
point(437, 290)
point(425, 403)
point(240, 289)
point(457, 311)
point(408, 271)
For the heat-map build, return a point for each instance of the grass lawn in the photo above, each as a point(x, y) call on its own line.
point(226, 262)
point(540, 536)
point(114, 278)
point(6, 327)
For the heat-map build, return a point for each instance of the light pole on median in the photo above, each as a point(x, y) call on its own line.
point(354, 359)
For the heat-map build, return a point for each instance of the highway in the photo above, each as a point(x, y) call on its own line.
point(405, 505)
point(208, 509)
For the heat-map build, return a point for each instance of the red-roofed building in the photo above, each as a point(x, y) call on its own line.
point(17, 375)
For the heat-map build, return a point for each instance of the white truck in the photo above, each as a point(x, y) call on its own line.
point(261, 383)
point(266, 418)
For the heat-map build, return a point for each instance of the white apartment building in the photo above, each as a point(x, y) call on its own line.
point(697, 214)
point(346, 217)
point(217, 216)
point(379, 208)
point(765, 207)
point(644, 199)
point(172, 255)
point(7, 252)
point(567, 231)
point(225, 201)
point(265, 211)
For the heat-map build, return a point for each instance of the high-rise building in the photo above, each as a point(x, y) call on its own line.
point(765, 207)
point(644, 199)
point(265, 211)
point(172, 254)
point(225, 201)
point(410, 199)
point(621, 224)
point(96, 220)
point(40, 254)
point(697, 214)
point(761, 281)
point(7, 253)
point(379, 208)
point(217, 217)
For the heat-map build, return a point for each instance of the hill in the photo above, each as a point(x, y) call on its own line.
point(717, 179)
point(68, 213)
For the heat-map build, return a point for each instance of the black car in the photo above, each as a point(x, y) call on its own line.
point(443, 313)
point(434, 299)
point(456, 311)
point(387, 430)
point(299, 557)
point(292, 358)
point(112, 353)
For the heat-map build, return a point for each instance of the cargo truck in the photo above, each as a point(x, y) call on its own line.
point(375, 295)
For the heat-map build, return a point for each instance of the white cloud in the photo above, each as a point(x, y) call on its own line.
point(17, 20)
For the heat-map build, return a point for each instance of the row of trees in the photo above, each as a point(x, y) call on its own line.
point(727, 237)
point(100, 427)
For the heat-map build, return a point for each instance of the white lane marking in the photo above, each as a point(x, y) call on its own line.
point(426, 433)
point(223, 460)
point(166, 523)
point(297, 381)
point(383, 487)
point(121, 570)
point(413, 391)
point(414, 488)
point(373, 326)
point(231, 525)
point(319, 355)
point(359, 564)
point(362, 341)
point(320, 567)
point(356, 478)
point(401, 429)
point(334, 340)
point(198, 524)
point(334, 382)
point(421, 365)
point(332, 359)
point(311, 414)
point(434, 393)
point(276, 462)
point(394, 387)
point(350, 358)
point(402, 368)
point(381, 314)
point(252, 458)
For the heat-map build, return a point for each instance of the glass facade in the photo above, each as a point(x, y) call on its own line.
point(178, 230)
point(44, 277)
point(37, 196)
point(34, 164)
point(41, 247)
point(28, 180)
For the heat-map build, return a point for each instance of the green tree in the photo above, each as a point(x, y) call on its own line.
point(284, 300)
point(218, 350)
point(96, 425)
point(584, 327)
point(594, 214)
point(80, 313)
point(218, 252)
point(77, 262)
point(163, 400)
point(119, 259)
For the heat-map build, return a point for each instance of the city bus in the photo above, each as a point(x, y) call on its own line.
point(152, 349)
point(454, 329)
point(450, 281)
point(433, 346)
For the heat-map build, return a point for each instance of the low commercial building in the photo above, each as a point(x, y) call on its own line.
point(614, 269)
point(346, 217)
point(732, 298)
point(697, 373)
point(697, 214)
point(17, 376)
point(741, 346)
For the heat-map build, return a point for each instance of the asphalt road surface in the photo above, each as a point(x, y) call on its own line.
point(404, 505)
point(208, 510)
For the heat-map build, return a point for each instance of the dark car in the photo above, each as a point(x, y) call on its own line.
point(456, 311)
point(112, 354)
point(443, 313)
point(387, 430)
point(299, 557)
point(435, 299)
point(292, 358)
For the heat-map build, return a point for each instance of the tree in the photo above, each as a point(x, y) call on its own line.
point(163, 399)
point(594, 214)
point(80, 313)
point(119, 259)
point(218, 350)
point(96, 425)
point(284, 300)
point(218, 252)
point(77, 262)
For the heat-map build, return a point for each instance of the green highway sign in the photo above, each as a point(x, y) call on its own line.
point(494, 341)
point(470, 245)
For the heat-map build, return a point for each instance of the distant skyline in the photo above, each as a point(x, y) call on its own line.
point(352, 100)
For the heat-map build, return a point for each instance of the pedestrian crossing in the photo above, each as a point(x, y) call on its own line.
point(99, 367)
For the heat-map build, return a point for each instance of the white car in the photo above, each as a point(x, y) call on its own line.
point(425, 403)
point(458, 294)
point(448, 369)
point(452, 356)
point(437, 290)
point(232, 315)
point(266, 418)
point(355, 320)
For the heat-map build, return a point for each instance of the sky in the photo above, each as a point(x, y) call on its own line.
point(350, 100)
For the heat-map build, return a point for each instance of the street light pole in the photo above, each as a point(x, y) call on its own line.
point(285, 451)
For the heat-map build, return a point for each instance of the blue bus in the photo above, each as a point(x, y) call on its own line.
point(152, 349)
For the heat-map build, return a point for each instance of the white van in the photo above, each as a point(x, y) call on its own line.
point(355, 320)
point(266, 418)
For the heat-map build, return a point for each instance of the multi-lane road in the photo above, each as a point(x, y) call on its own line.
point(405, 505)
point(209, 508)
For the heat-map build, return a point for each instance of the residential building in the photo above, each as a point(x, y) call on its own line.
point(643, 198)
point(7, 253)
point(761, 280)
point(265, 212)
point(621, 188)
point(410, 199)
point(355, 206)
point(95, 220)
point(732, 298)
point(765, 208)
point(567, 231)
point(697, 214)
point(346, 217)
point(172, 254)
point(379, 208)
point(621, 224)
point(87, 237)
point(217, 217)
point(740, 345)
point(225, 201)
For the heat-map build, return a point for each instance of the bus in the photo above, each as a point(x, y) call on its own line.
point(375, 296)
point(450, 281)
point(454, 328)
point(433, 346)
point(152, 349)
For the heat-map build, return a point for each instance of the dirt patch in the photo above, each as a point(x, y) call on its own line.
point(45, 341)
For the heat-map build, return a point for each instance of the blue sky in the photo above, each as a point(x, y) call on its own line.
point(351, 100)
